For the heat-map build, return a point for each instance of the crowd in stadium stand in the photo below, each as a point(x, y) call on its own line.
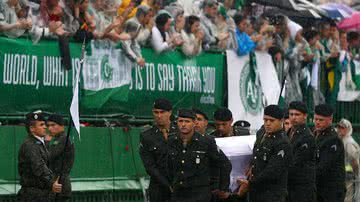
point(305, 56)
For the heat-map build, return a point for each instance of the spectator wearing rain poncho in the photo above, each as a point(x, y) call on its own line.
point(10, 24)
point(225, 24)
point(131, 47)
point(208, 25)
point(143, 18)
point(352, 155)
point(314, 95)
point(294, 57)
point(177, 13)
point(192, 35)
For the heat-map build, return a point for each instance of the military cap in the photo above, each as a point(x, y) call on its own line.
point(242, 124)
point(198, 111)
point(274, 111)
point(35, 116)
point(223, 114)
point(163, 104)
point(324, 110)
point(299, 106)
point(57, 119)
point(187, 113)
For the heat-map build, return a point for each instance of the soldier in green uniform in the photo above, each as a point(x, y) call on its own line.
point(61, 161)
point(330, 157)
point(191, 161)
point(301, 183)
point(153, 151)
point(36, 179)
point(268, 174)
point(223, 120)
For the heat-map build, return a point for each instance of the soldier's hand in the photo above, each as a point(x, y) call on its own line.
point(223, 195)
point(56, 187)
point(244, 187)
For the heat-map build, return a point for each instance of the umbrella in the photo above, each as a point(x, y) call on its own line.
point(352, 23)
point(301, 13)
point(336, 10)
point(284, 4)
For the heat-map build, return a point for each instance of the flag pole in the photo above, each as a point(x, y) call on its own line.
point(70, 116)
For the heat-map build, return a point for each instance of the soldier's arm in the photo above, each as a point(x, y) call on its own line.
point(277, 164)
point(219, 163)
point(304, 151)
point(150, 163)
point(225, 170)
point(39, 166)
point(55, 151)
point(328, 155)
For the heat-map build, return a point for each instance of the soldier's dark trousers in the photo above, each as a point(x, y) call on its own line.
point(32, 195)
point(301, 193)
point(266, 197)
point(159, 193)
point(202, 194)
point(330, 195)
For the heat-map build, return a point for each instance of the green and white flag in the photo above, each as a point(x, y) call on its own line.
point(251, 89)
point(106, 74)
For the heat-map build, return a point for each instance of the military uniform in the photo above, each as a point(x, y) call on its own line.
point(301, 182)
point(191, 167)
point(330, 167)
point(153, 152)
point(269, 167)
point(56, 158)
point(36, 179)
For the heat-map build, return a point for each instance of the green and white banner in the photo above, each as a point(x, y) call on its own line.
point(33, 78)
point(249, 92)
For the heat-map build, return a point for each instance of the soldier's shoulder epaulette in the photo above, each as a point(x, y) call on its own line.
point(146, 129)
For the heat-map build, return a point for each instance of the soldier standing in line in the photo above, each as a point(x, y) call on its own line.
point(287, 123)
point(61, 161)
point(223, 120)
point(268, 174)
point(153, 151)
point(223, 177)
point(36, 179)
point(330, 162)
point(301, 182)
point(192, 160)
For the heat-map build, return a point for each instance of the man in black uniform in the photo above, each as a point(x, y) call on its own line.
point(36, 179)
point(201, 122)
point(330, 164)
point(271, 156)
point(223, 120)
point(60, 162)
point(301, 182)
point(220, 180)
point(192, 159)
point(153, 151)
